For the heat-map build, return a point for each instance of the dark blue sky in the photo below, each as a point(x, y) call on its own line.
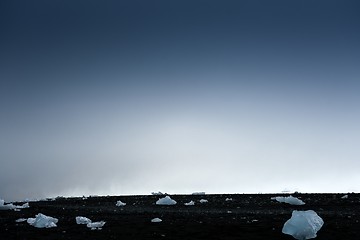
point(177, 87)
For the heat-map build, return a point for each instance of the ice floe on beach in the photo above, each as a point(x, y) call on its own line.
point(156, 220)
point(96, 225)
point(290, 200)
point(4, 206)
point(165, 201)
point(21, 220)
point(303, 224)
point(345, 196)
point(25, 205)
point(203, 201)
point(82, 220)
point(42, 221)
point(11, 206)
point(157, 193)
point(89, 223)
point(191, 203)
point(120, 204)
point(198, 193)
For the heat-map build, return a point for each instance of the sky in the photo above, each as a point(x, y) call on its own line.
point(131, 97)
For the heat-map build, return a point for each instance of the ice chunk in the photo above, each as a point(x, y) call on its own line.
point(198, 193)
point(203, 201)
point(25, 205)
point(165, 201)
point(31, 200)
point(11, 206)
point(345, 196)
point(82, 220)
point(157, 193)
point(303, 224)
point(42, 221)
point(120, 204)
point(290, 200)
point(4, 206)
point(21, 220)
point(7, 207)
point(191, 203)
point(228, 199)
point(156, 220)
point(96, 225)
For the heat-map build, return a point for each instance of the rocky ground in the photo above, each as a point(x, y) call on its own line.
point(247, 216)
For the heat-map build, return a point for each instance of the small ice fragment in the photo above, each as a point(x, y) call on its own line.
point(120, 204)
point(203, 201)
point(156, 220)
point(11, 206)
point(42, 221)
point(82, 220)
point(157, 193)
point(4, 206)
point(303, 224)
point(345, 196)
point(96, 225)
point(7, 207)
point(21, 220)
point(290, 200)
point(191, 203)
point(165, 201)
point(228, 199)
point(198, 193)
point(25, 205)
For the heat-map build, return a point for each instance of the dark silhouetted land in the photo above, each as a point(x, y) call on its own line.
point(247, 216)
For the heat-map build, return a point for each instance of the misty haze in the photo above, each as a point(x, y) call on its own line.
point(122, 98)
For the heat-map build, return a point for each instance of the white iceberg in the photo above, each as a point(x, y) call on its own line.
point(11, 206)
point(31, 200)
point(157, 193)
point(120, 204)
point(203, 201)
point(191, 203)
point(165, 201)
point(156, 220)
point(82, 220)
point(21, 220)
point(96, 225)
point(290, 200)
point(42, 221)
point(303, 224)
point(25, 205)
point(198, 193)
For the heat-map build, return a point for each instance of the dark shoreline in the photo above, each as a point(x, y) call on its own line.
point(247, 216)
